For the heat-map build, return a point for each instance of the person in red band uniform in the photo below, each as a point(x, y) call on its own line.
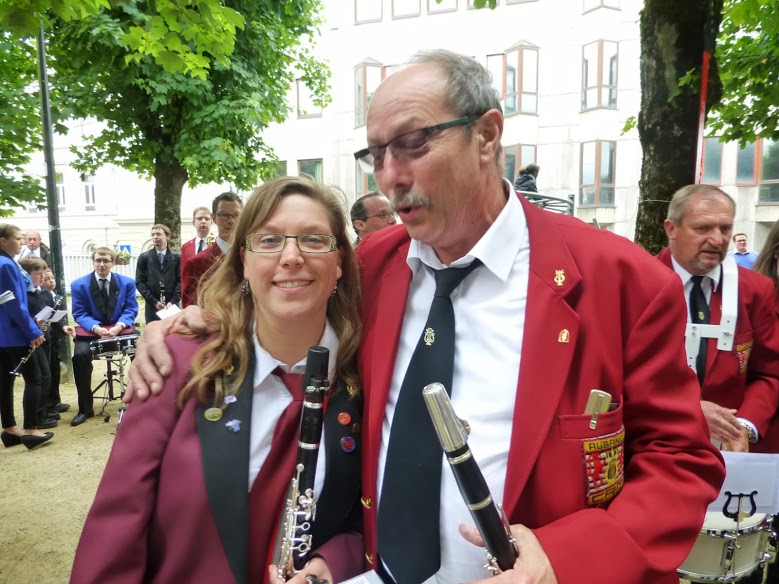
point(226, 211)
point(177, 499)
point(556, 308)
point(740, 387)
point(201, 219)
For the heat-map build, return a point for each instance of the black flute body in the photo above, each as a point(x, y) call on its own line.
point(488, 516)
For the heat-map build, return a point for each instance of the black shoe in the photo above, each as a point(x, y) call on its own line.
point(62, 407)
point(53, 414)
point(10, 439)
point(30, 441)
point(46, 423)
point(81, 418)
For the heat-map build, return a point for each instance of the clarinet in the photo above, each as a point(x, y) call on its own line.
point(294, 540)
point(17, 370)
point(502, 551)
point(162, 292)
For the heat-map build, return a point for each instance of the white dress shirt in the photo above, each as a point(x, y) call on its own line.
point(489, 321)
point(197, 244)
point(223, 245)
point(271, 397)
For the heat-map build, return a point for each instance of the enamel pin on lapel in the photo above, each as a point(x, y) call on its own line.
point(213, 414)
point(559, 277)
point(429, 336)
point(564, 336)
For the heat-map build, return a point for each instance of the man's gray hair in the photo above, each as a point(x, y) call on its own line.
point(468, 83)
point(677, 208)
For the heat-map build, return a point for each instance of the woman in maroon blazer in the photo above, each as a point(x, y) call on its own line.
point(195, 484)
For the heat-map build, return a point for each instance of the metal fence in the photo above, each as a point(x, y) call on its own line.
point(76, 266)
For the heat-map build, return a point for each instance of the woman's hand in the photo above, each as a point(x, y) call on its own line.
point(316, 568)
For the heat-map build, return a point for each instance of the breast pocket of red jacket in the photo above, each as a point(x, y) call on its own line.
point(602, 453)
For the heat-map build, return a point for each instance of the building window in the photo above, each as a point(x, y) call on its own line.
point(712, 161)
point(434, 7)
point(313, 168)
point(515, 78)
point(598, 160)
point(599, 74)
point(590, 5)
point(364, 182)
point(516, 157)
point(746, 169)
point(306, 107)
point(60, 180)
point(367, 11)
point(89, 191)
point(406, 8)
point(367, 76)
point(769, 171)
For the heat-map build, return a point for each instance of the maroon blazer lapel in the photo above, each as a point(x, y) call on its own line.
point(550, 336)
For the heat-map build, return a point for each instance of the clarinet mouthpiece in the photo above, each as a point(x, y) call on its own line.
point(452, 431)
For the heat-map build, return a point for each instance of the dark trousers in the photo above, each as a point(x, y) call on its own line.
point(151, 312)
point(40, 362)
point(9, 359)
point(82, 372)
point(53, 397)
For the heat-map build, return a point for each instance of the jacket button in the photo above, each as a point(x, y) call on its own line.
point(369, 557)
point(366, 502)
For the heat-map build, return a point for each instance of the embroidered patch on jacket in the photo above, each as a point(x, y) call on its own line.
point(743, 352)
point(604, 466)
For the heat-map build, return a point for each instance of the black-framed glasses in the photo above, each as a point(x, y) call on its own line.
point(408, 145)
point(103, 261)
point(384, 215)
point(228, 216)
point(275, 242)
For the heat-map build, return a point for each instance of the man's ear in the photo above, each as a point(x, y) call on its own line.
point(359, 226)
point(490, 129)
point(670, 229)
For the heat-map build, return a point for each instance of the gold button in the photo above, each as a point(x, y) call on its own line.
point(366, 502)
point(369, 557)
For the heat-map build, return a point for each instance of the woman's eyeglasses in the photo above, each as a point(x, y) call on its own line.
point(275, 242)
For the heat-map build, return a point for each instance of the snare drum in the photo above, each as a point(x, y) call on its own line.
point(124, 344)
point(723, 553)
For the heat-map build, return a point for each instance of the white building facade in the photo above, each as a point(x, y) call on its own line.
point(567, 72)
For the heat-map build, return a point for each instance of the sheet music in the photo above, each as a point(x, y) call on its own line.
point(48, 313)
point(747, 472)
point(366, 578)
point(168, 311)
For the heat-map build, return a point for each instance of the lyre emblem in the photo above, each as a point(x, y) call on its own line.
point(564, 336)
point(700, 315)
point(429, 337)
point(559, 277)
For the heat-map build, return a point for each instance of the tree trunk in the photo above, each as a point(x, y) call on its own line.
point(169, 180)
point(673, 34)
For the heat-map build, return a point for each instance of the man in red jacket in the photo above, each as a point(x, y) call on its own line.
point(738, 369)
point(201, 219)
point(226, 210)
point(548, 310)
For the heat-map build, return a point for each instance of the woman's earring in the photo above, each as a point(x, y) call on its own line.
point(245, 290)
point(335, 288)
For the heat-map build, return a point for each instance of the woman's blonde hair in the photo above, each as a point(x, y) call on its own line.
point(767, 260)
point(230, 313)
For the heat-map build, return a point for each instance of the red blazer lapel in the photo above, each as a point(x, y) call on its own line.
point(715, 317)
point(550, 336)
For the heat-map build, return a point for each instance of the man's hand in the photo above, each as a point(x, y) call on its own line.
point(532, 565)
point(102, 332)
point(740, 445)
point(316, 568)
point(37, 342)
point(114, 331)
point(152, 361)
point(723, 424)
point(159, 305)
point(69, 330)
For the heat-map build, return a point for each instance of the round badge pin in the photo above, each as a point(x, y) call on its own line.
point(213, 414)
point(344, 418)
point(348, 444)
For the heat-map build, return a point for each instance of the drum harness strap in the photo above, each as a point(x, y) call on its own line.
point(725, 331)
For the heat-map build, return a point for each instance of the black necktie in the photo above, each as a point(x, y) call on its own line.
point(162, 256)
point(103, 288)
point(408, 523)
point(699, 314)
point(201, 245)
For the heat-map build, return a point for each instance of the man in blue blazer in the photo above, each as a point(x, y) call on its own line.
point(104, 306)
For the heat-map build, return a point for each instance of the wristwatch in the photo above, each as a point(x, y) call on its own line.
point(751, 432)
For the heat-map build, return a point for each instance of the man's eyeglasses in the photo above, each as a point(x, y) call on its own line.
point(103, 261)
point(741, 241)
point(407, 146)
point(275, 242)
point(384, 215)
point(228, 216)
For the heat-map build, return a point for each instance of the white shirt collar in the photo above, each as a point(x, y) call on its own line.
point(685, 275)
point(266, 364)
point(108, 277)
point(223, 245)
point(497, 249)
